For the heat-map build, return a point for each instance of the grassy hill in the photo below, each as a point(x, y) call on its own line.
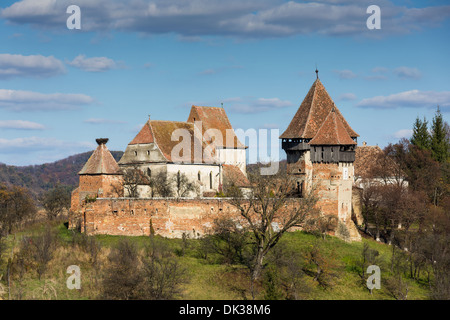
point(207, 278)
point(39, 178)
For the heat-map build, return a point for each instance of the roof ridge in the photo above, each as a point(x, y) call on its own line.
point(312, 105)
point(101, 161)
point(336, 132)
point(155, 139)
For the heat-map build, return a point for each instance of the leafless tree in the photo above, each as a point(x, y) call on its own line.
point(133, 177)
point(163, 275)
point(269, 212)
point(123, 276)
point(55, 201)
point(184, 186)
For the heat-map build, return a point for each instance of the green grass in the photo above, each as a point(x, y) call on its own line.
point(209, 280)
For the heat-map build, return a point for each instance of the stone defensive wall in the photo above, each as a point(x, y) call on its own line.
point(168, 217)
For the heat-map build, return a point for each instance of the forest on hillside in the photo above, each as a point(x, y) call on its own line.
point(41, 178)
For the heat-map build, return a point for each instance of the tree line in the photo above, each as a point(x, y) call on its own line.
point(409, 204)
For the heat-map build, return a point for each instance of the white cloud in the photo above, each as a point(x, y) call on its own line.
point(380, 70)
point(20, 125)
point(37, 150)
point(250, 18)
point(408, 99)
point(256, 105)
point(408, 73)
point(272, 103)
point(28, 144)
point(16, 65)
point(95, 64)
point(345, 74)
point(404, 133)
point(17, 100)
point(347, 97)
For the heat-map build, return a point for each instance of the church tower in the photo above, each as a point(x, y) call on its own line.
point(320, 148)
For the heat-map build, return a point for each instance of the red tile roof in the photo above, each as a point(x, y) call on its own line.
point(332, 132)
point(216, 118)
point(234, 175)
point(101, 161)
point(162, 135)
point(144, 136)
point(371, 160)
point(312, 113)
point(160, 132)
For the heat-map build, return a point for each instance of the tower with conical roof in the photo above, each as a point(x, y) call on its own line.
point(99, 177)
point(320, 148)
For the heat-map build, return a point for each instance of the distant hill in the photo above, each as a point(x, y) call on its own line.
point(43, 177)
point(40, 178)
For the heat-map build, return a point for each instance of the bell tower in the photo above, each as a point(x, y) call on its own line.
point(320, 149)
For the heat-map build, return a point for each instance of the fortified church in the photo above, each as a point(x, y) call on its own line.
point(319, 144)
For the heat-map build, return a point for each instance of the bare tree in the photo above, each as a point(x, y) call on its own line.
point(43, 247)
point(123, 276)
point(269, 212)
point(55, 201)
point(161, 185)
point(16, 207)
point(163, 275)
point(184, 186)
point(132, 179)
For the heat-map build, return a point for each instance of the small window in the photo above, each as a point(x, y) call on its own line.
point(199, 177)
point(210, 180)
point(148, 152)
point(149, 172)
point(135, 153)
point(345, 173)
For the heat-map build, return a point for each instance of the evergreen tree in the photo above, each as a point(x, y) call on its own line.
point(421, 137)
point(440, 143)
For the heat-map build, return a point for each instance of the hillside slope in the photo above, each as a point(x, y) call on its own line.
point(39, 178)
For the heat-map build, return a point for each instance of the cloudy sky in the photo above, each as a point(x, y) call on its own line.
point(61, 89)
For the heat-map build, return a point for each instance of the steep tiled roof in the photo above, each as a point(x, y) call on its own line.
point(216, 118)
point(162, 136)
point(332, 132)
point(144, 136)
point(365, 159)
point(370, 160)
point(101, 161)
point(312, 113)
point(235, 175)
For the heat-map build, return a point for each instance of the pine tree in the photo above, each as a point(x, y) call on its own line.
point(440, 143)
point(421, 137)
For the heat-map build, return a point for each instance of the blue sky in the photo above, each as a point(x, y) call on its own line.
point(61, 89)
